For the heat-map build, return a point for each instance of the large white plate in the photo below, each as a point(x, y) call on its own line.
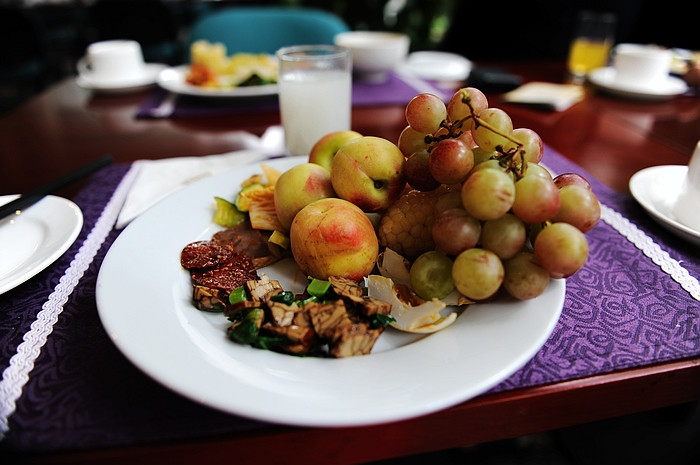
point(605, 79)
point(173, 79)
point(34, 239)
point(144, 302)
point(656, 189)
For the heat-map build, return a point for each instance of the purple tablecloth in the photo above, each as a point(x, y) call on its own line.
point(394, 91)
point(621, 311)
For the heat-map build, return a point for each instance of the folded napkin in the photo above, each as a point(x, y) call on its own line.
point(156, 179)
point(546, 95)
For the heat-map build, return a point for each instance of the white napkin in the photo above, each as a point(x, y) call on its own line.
point(157, 179)
point(551, 96)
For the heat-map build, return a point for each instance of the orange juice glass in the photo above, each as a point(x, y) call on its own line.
point(586, 55)
point(591, 44)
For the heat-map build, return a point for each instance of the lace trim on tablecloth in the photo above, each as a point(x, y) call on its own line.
point(652, 250)
point(16, 375)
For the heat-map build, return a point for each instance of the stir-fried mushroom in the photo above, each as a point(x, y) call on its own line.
point(343, 323)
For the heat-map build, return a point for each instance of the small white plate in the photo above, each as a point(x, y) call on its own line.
point(157, 327)
point(656, 189)
point(605, 79)
point(173, 79)
point(149, 78)
point(437, 66)
point(32, 240)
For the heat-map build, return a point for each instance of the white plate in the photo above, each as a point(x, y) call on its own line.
point(144, 302)
point(605, 79)
point(34, 239)
point(148, 79)
point(173, 79)
point(656, 189)
point(437, 66)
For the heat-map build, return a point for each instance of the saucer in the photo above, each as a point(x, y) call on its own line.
point(437, 66)
point(656, 189)
point(605, 79)
point(149, 78)
point(38, 236)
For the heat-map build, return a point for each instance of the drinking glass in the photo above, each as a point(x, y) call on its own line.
point(315, 86)
point(590, 47)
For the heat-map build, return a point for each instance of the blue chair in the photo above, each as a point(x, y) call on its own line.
point(264, 29)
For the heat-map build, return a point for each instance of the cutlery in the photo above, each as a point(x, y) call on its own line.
point(31, 197)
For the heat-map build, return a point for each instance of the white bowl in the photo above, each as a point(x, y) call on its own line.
point(374, 53)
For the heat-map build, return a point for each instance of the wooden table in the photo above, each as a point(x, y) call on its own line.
point(67, 126)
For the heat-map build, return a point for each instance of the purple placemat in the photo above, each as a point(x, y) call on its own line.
point(395, 91)
point(620, 311)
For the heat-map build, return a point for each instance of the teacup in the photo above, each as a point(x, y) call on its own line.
point(685, 209)
point(113, 61)
point(638, 65)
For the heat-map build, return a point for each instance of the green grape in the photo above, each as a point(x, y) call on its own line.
point(458, 110)
point(425, 112)
point(454, 231)
point(431, 275)
point(504, 236)
point(535, 169)
point(536, 199)
point(481, 155)
point(561, 249)
point(477, 273)
point(411, 141)
point(524, 277)
point(488, 194)
point(483, 129)
point(579, 207)
point(417, 172)
point(531, 144)
point(450, 161)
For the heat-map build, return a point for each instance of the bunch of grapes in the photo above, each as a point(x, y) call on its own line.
point(517, 225)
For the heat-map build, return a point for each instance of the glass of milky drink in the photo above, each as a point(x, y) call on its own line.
point(315, 86)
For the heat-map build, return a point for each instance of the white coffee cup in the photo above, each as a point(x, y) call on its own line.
point(685, 209)
point(113, 61)
point(638, 65)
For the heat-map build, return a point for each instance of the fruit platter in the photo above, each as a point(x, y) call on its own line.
point(455, 235)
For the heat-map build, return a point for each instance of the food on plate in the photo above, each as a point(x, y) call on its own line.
point(327, 146)
point(298, 187)
point(459, 210)
point(333, 237)
point(368, 171)
point(210, 66)
point(332, 318)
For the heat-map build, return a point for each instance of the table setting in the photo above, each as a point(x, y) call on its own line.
point(103, 347)
point(634, 303)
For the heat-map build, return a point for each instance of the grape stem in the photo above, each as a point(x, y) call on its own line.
point(506, 158)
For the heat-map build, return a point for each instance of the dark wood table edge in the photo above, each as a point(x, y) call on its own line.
point(486, 418)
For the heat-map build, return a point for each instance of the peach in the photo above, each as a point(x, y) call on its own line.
point(298, 187)
point(333, 237)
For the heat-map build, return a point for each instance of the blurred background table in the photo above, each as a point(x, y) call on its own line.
point(65, 127)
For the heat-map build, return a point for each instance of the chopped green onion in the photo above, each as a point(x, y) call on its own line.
point(237, 295)
point(318, 287)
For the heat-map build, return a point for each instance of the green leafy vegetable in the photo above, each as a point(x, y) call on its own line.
point(378, 320)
